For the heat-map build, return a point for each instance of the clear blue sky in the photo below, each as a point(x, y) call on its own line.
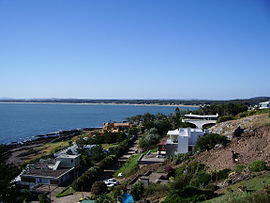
point(182, 49)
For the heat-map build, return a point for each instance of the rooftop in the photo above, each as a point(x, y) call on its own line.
point(200, 116)
point(68, 156)
point(183, 131)
point(45, 168)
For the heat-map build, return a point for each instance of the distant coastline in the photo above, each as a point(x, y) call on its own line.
point(100, 103)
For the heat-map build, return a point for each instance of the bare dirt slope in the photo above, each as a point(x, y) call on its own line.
point(248, 124)
point(255, 146)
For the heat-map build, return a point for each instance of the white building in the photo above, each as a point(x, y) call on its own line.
point(182, 140)
point(264, 105)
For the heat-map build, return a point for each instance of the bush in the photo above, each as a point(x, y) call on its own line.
point(43, 199)
point(157, 190)
point(200, 180)
point(239, 168)
point(220, 175)
point(86, 180)
point(225, 118)
point(137, 191)
point(209, 141)
point(98, 188)
point(257, 166)
point(150, 138)
point(179, 158)
point(104, 198)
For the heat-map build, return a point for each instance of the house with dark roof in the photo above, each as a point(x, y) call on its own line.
point(59, 171)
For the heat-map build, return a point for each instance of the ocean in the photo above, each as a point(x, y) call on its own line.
point(22, 121)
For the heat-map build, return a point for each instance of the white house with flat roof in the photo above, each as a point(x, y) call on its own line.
point(182, 140)
point(264, 105)
point(200, 120)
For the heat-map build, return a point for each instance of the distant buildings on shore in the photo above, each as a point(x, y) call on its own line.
point(115, 127)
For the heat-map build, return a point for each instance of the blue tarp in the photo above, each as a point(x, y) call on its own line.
point(126, 198)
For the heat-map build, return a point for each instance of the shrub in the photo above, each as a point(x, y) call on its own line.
point(150, 138)
point(43, 199)
point(208, 141)
point(220, 175)
point(239, 168)
point(86, 180)
point(104, 198)
point(137, 191)
point(225, 118)
point(98, 188)
point(157, 190)
point(257, 166)
point(181, 157)
point(200, 180)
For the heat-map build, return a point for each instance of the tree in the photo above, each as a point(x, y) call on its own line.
point(137, 191)
point(98, 188)
point(150, 138)
point(97, 153)
point(209, 141)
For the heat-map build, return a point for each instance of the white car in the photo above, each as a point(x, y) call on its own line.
point(111, 182)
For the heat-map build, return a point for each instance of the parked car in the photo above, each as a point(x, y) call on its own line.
point(111, 182)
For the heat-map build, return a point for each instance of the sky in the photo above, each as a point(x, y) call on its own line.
point(135, 49)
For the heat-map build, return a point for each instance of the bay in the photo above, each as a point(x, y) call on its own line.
point(21, 121)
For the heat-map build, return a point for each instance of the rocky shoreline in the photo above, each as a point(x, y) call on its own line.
point(49, 137)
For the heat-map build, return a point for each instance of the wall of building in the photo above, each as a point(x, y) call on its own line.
point(182, 144)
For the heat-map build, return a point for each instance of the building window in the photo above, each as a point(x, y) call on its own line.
point(190, 148)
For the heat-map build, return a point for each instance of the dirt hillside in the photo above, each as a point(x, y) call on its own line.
point(251, 147)
point(248, 124)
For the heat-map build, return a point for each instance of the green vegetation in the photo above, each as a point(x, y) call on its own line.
point(67, 191)
point(239, 168)
point(191, 184)
point(8, 173)
point(129, 167)
point(227, 109)
point(98, 188)
point(219, 175)
point(244, 197)
point(137, 191)
point(256, 183)
point(259, 183)
point(209, 141)
point(243, 114)
point(149, 139)
point(257, 166)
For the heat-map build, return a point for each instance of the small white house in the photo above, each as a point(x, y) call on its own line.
point(264, 105)
point(182, 140)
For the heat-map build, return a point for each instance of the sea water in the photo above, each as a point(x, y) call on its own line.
point(22, 121)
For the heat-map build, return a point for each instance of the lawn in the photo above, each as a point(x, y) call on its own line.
point(129, 167)
point(107, 146)
point(67, 191)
